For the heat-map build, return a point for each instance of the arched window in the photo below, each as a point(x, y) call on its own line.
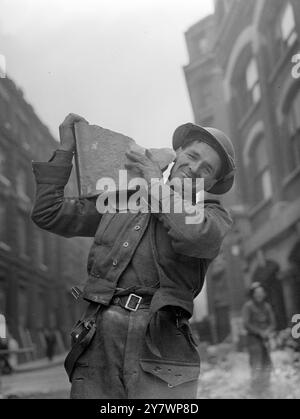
point(252, 80)
point(293, 121)
point(288, 26)
point(285, 28)
point(245, 83)
point(259, 172)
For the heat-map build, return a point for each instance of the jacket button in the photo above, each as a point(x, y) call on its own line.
point(126, 244)
point(137, 228)
point(115, 262)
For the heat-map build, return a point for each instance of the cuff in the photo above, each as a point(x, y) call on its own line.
point(51, 173)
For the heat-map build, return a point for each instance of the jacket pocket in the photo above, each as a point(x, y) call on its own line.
point(173, 373)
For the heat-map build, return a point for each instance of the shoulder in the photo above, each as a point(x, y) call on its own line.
point(214, 207)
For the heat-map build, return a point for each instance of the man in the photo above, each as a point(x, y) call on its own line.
point(51, 341)
point(259, 321)
point(144, 270)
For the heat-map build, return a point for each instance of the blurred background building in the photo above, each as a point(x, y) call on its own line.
point(240, 80)
point(37, 269)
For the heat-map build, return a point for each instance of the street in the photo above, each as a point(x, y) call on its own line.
point(50, 383)
point(227, 378)
point(230, 378)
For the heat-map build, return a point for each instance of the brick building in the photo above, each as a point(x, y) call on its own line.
point(37, 269)
point(255, 42)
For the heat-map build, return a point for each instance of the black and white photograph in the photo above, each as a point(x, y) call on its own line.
point(149, 202)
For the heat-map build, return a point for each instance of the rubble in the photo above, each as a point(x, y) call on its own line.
point(229, 376)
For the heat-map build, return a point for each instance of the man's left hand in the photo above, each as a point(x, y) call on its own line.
point(144, 165)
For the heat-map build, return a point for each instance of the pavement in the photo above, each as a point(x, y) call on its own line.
point(227, 377)
point(37, 379)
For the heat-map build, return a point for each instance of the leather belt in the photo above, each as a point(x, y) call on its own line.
point(132, 302)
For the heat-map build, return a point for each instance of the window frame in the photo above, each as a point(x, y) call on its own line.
point(258, 189)
point(287, 40)
point(255, 85)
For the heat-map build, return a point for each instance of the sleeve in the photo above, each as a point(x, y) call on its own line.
point(195, 230)
point(68, 217)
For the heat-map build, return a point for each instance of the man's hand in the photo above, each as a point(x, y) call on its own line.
point(66, 132)
point(144, 165)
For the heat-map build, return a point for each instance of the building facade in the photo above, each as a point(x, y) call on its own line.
point(37, 269)
point(256, 45)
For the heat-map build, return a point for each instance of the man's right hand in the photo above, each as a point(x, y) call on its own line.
point(66, 132)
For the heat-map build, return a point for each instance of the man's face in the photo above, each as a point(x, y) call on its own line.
point(197, 160)
point(259, 295)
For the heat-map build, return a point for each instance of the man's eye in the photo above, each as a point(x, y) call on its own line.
point(192, 156)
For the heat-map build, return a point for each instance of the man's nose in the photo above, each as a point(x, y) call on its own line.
point(196, 167)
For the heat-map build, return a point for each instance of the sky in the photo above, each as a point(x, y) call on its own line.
point(118, 63)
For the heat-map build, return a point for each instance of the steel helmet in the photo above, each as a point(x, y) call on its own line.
point(217, 140)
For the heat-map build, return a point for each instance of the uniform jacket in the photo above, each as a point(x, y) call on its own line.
point(182, 252)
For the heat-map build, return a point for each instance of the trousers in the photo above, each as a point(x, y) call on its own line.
point(261, 366)
point(110, 367)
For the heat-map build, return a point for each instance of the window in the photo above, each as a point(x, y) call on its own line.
point(288, 26)
point(252, 81)
point(260, 172)
point(293, 120)
point(3, 166)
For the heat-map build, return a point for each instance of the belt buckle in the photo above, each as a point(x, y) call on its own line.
point(136, 303)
